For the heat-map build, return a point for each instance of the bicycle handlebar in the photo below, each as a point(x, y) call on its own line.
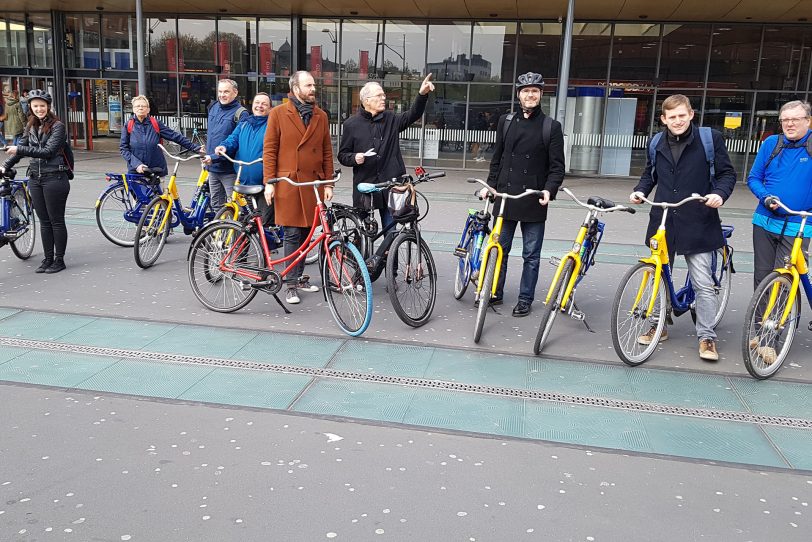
point(240, 162)
point(367, 188)
point(493, 192)
point(770, 200)
point(665, 205)
point(179, 158)
point(595, 207)
point(309, 183)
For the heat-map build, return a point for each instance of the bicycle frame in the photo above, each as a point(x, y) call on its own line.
point(481, 229)
point(195, 217)
point(581, 246)
point(797, 268)
point(493, 242)
point(5, 209)
point(238, 201)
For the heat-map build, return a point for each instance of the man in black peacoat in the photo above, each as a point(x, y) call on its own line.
point(523, 160)
point(694, 229)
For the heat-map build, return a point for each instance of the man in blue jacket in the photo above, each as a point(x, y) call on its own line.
point(245, 144)
point(693, 229)
point(224, 116)
point(787, 175)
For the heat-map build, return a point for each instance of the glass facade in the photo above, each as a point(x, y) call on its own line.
point(737, 75)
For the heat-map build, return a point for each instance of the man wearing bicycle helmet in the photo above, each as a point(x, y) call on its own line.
point(529, 154)
point(694, 229)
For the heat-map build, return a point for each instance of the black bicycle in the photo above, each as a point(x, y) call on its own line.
point(411, 274)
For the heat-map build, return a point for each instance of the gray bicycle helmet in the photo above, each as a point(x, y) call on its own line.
point(529, 79)
point(40, 95)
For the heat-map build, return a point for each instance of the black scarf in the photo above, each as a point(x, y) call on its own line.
point(305, 110)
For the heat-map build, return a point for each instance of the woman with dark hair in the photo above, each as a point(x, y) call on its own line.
point(44, 141)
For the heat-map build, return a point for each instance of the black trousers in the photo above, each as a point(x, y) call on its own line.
point(769, 251)
point(49, 195)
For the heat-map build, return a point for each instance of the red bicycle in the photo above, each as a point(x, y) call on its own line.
point(229, 262)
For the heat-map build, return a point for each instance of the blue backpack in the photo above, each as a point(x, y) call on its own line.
point(705, 135)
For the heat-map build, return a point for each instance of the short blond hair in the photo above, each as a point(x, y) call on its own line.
point(141, 98)
point(676, 100)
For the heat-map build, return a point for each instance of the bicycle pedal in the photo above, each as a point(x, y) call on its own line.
point(245, 285)
point(460, 252)
point(555, 261)
point(577, 315)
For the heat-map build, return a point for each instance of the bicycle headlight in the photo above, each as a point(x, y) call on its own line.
point(653, 244)
point(576, 247)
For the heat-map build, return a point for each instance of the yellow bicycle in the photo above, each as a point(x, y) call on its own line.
point(165, 212)
point(775, 311)
point(574, 266)
point(492, 256)
point(238, 203)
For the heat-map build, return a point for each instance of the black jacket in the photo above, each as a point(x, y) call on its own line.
point(362, 132)
point(693, 228)
point(520, 161)
point(45, 151)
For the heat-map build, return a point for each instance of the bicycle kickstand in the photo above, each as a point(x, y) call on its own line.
point(578, 315)
point(284, 308)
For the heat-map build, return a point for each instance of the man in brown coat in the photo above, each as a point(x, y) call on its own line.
point(297, 145)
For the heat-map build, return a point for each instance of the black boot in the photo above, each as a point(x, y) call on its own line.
point(57, 266)
point(46, 263)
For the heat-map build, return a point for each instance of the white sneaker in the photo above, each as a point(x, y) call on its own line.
point(292, 297)
point(307, 287)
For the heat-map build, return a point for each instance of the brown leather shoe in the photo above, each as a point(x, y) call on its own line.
point(707, 350)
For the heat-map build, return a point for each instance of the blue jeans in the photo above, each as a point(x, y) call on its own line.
point(532, 238)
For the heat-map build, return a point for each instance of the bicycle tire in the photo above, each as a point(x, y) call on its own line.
point(217, 290)
point(485, 293)
point(110, 209)
point(423, 208)
point(758, 339)
point(313, 255)
point(462, 274)
point(724, 264)
point(628, 325)
point(347, 287)
point(553, 307)
point(150, 238)
point(227, 212)
point(21, 210)
point(414, 297)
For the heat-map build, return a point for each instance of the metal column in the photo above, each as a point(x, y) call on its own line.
point(139, 47)
point(564, 74)
point(60, 97)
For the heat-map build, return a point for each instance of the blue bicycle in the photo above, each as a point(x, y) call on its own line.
point(17, 220)
point(469, 249)
point(120, 205)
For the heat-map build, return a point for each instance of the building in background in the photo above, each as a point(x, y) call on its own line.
point(737, 72)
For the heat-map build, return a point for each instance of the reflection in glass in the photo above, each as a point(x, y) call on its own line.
point(540, 50)
point(43, 53)
point(449, 47)
point(729, 112)
point(361, 48)
point(321, 41)
point(196, 92)
point(684, 55)
point(487, 103)
point(786, 58)
point(162, 44)
point(163, 94)
point(236, 39)
point(634, 53)
point(119, 42)
point(82, 41)
point(590, 53)
point(494, 48)
point(404, 50)
point(274, 53)
point(734, 56)
point(445, 126)
point(12, 40)
point(199, 47)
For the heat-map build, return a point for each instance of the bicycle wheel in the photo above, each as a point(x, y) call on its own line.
point(411, 278)
point(462, 275)
point(765, 343)
point(723, 273)
point(347, 287)
point(227, 212)
point(21, 213)
point(313, 255)
point(629, 318)
point(553, 307)
point(151, 233)
point(222, 290)
point(110, 209)
point(485, 293)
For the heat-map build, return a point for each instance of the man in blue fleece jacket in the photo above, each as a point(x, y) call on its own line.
point(224, 116)
point(787, 175)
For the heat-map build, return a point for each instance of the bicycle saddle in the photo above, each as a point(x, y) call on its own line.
point(249, 189)
point(600, 203)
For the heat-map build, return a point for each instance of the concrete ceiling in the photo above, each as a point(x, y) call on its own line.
point(786, 11)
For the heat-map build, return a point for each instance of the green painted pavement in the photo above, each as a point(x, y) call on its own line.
point(629, 430)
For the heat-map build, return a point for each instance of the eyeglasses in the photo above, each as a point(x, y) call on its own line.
point(381, 96)
point(794, 121)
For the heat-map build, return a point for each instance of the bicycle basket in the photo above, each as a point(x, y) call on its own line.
point(403, 204)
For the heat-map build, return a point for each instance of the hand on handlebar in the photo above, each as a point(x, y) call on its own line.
point(206, 160)
point(484, 193)
point(636, 197)
point(545, 197)
point(220, 150)
point(714, 201)
point(141, 168)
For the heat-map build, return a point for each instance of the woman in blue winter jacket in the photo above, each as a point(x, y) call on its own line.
point(245, 144)
point(140, 138)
